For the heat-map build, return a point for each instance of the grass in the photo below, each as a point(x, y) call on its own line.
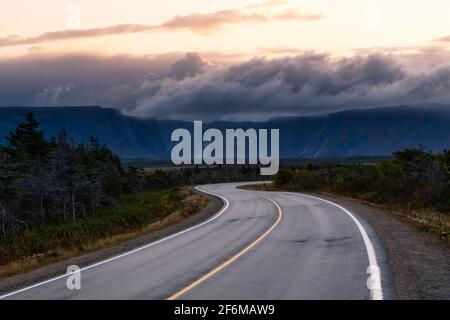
point(140, 214)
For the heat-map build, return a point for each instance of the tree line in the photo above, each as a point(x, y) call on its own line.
point(413, 177)
point(51, 181)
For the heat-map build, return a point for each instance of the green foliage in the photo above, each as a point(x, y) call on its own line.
point(27, 142)
point(414, 177)
point(44, 182)
point(51, 181)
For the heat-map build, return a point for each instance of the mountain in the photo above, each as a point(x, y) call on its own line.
point(372, 132)
point(126, 136)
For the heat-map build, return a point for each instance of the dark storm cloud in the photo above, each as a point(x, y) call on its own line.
point(306, 84)
point(190, 66)
point(76, 79)
point(190, 87)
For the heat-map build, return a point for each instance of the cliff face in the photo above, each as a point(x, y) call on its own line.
point(126, 136)
point(349, 133)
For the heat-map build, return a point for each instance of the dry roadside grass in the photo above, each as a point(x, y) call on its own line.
point(191, 204)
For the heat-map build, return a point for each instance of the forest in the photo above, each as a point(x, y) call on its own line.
point(56, 180)
point(46, 181)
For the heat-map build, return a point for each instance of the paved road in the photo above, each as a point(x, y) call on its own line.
point(261, 245)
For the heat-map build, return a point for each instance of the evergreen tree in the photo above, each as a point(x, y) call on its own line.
point(27, 142)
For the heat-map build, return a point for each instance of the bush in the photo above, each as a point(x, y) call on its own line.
point(413, 176)
point(137, 211)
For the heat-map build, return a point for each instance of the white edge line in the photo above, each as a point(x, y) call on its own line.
point(375, 294)
point(218, 214)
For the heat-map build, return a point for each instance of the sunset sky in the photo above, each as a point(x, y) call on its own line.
point(248, 27)
point(145, 56)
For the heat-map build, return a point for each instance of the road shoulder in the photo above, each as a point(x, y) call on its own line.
point(420, 260)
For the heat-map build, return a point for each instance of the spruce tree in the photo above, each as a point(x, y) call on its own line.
point(27, 142)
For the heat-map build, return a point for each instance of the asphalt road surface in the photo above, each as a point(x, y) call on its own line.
point(261, 245)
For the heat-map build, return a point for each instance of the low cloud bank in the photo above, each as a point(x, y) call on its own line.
point(192, 87)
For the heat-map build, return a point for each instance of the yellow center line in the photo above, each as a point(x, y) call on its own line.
point(232, 259)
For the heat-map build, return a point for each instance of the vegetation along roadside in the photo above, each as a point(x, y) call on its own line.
point(59, 200)
point(414, 184)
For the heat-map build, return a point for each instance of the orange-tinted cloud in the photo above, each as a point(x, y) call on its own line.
point(295, 14)
point(199, 23)
point(443, 39)
point(213, 21)
point(71, 34)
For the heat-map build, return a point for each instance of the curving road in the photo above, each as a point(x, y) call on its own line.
point(261, 245)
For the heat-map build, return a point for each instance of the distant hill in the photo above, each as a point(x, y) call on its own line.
point(374, 132)
point(126, 136)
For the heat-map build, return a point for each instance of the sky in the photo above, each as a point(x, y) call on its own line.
point(228, 59)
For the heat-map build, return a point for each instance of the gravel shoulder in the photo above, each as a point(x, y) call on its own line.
point(58, 268)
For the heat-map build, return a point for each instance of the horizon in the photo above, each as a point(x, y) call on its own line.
point(422, 107)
